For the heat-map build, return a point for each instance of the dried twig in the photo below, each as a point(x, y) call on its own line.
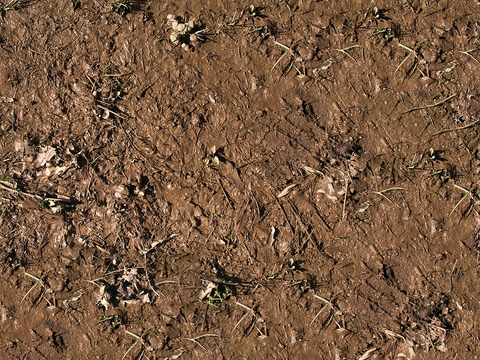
point(430, 106)
point(456, 129)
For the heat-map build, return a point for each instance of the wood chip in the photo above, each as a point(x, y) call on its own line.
point(271, 237)
point(286, 191)
point(367, 354)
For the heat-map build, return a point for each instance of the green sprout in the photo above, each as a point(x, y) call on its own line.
point(122, 7)
point(5, 178)
point(47, 204)
point(443, 174)
point(302, 284)
point(113, 320)
point(218, 295)
point(387, 33)
point(264, 31)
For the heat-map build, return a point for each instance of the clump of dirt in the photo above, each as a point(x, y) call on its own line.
point(213, 180)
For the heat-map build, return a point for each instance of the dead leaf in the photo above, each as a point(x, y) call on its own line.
point(207, 291)
point(45, 156)
point(53, 310)
point(20, 145)
point(362, 207)
point(74, 297)
point(325, 65)
point(406, 351)
point(52, 171)
point(230, 172)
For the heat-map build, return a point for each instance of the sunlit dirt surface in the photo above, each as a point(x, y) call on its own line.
point(287, 180)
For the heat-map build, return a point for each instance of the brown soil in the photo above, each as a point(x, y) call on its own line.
point(300, 182)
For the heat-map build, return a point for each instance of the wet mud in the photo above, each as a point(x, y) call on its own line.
point(216, 180)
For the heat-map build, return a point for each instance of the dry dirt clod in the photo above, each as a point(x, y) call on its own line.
point(180, 28)
point(183, 32)
point(174, 39)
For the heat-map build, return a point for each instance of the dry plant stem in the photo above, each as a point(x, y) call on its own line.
point(344, 51)
point(114, 272)
point(283, 46)
point(280, 59)
point(287, 51)
point(430, 106)
point(406, 58)
point(167, 282)
point(196, 342)
point(389, 189)
point(148, 279)
point(286, 217)
point(324, 300)
point(382, 193)
point(451, 274)
point(38, 281)
point(139, 339)
point(457, 129)
point(6, 186)
point(345, 198)
point(200, 337)
point(468, 53)
point(9, 5)
point(386, 197)
point(316, 316)
point(111, 111)
point(467, 194)
point(327, 304)
point(250, 311)
point(203, 336)
point(130, 348)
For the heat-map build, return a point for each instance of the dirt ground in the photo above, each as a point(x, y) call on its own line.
point(284, 179)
